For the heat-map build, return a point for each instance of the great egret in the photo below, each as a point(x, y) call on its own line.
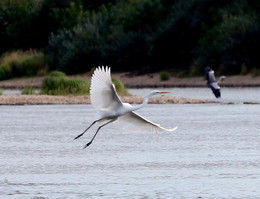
point(212, 83)
point(104, 97)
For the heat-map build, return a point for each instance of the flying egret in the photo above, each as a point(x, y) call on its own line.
point(212, 83)
point(105, 99)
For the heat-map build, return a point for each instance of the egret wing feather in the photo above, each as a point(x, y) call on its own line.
point(102, 91)
point(134, 121)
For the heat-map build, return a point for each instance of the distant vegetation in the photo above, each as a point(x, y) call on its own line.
point(182, 36)
point(22, 63)
point(164, 75)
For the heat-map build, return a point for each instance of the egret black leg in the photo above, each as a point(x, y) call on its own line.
point(97, 132)
point(87, 129)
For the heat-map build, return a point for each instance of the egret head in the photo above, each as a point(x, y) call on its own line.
point(157, 92)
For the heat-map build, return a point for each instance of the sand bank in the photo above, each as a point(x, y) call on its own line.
point(48, 99)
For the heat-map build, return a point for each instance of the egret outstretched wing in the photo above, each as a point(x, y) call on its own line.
point(102, 91)
point(134, 121)
point(104, 97)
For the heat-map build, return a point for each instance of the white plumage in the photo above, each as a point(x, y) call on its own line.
point(105, 99)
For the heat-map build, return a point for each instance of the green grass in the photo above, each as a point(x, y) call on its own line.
point(28, 91)
point(57, 83)
point(22, 63)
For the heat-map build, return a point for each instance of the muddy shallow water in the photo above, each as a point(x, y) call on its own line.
point(214, 153)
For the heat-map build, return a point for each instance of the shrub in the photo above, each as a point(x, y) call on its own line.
point(28, 91)
point(57, 74)
point(243, 70)
point(22, 63)
point(164, 75)
point(1, 92)
point(5, 71)
point(255, 72)
point(57, 83)
point(120, 87)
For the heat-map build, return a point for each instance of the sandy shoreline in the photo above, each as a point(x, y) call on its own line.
point(48, 99)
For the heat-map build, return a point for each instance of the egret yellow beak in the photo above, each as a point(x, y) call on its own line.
point(163, 92)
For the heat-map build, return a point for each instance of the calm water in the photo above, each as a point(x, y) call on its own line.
point(214, 153)
point(233, 95)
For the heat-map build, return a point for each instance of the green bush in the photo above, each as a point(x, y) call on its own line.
point(243, 70)
point(22, 63)
point(164, 75)
point(58, 83)
point(1, 92)
point(28, 91)
point(120, 87)
point(5, 71)
point(57, 74)
point(255, 72)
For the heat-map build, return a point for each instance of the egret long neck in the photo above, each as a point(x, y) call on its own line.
point(145, 101)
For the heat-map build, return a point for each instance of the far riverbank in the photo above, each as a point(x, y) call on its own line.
point(145, 81)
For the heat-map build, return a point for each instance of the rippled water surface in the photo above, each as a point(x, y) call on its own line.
point(214, 153)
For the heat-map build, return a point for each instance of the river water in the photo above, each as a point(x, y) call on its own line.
point(214, 153)
point(228, 95)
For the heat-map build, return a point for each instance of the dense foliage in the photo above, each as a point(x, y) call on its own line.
point(152, 35)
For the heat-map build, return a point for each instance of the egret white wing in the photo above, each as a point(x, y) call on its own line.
point(102, 91)
point(134, 121)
